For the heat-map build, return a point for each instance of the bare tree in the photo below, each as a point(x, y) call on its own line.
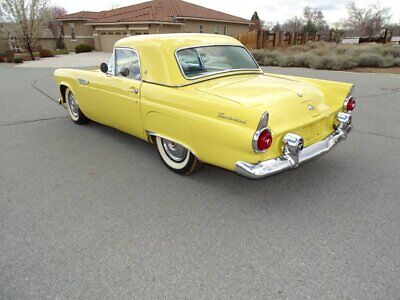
point(277, 27)
point(26, 20)
point(315, 16)
point(366, 21)
point(268, 26)
point(294, 24)
point(114, 5)
point(56, 26)
point(394, 28)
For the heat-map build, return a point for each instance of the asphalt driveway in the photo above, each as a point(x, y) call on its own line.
point(87, 212)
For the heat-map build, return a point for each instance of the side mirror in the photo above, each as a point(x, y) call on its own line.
point(104, 67)
point(125, 72)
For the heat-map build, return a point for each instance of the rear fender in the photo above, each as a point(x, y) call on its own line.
point(168, 127)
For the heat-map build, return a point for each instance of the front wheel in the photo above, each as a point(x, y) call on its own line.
point(73, 108)
point(176, 157)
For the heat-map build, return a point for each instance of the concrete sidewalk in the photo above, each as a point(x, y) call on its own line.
point(71, 60)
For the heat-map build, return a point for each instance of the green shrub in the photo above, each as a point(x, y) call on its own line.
point(25, 56)
point(297, 48)
point(341, 49)
point(302, 60)
point(343, 62)
point(83, 48)
point(9, 55)
point(321, 63)
point(370, 60)
point(330, 56)
point(266, 57)
point(259, 55)
point(393, 50)
point(18, 60)
point(45, 53)
point(286, 61)
point(61, 52)
point(272, 58)
point(314, 45)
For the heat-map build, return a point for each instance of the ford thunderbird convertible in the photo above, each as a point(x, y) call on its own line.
point(203, 98)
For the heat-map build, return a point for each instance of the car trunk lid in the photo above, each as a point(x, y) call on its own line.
point(292, 105)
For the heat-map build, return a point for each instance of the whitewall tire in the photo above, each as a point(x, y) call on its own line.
point(176, 157)
point(73, 108)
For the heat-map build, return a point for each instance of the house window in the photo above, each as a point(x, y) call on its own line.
point(216, 29)
point(225, 30)
point(201, 29)
point(13, 43)
point(73, 33)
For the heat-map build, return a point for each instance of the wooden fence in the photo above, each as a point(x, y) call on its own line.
point(265, 39)
point(262, 39)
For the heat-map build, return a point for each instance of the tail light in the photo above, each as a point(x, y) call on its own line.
point(349, 104)
point(262, 139)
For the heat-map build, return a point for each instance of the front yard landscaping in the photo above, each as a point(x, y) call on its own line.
point(10, 56)
point(331, 56)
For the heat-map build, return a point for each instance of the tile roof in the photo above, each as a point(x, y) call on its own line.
point(83, 15)
point(156, 11)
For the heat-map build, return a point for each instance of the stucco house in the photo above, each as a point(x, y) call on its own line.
point(9, 42)
point(102, 29)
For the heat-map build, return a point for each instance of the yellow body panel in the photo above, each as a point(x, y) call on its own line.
point(214, 117)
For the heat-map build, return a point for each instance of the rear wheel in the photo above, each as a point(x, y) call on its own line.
point(176, 157)
point(73, 108)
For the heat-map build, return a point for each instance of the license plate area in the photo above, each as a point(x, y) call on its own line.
point(312, 133)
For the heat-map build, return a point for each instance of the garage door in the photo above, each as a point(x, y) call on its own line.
point(108, 39)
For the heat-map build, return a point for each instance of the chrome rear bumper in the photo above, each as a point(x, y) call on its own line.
point(294, 154)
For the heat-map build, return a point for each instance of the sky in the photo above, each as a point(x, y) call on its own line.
point(268, 10)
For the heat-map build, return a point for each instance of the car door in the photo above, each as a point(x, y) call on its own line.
point(115, 96)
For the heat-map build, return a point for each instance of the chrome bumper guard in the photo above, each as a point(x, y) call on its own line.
point(294, 154)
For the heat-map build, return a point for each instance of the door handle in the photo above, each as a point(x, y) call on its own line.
point(134, 90)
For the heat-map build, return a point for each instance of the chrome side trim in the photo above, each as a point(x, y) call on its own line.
point(154, 134)
point(348, 97)
point(262, 126)
point(294, 155)
point(263, 121)
point(83, 81)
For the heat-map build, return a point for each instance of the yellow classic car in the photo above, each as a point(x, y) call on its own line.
point(202, 98)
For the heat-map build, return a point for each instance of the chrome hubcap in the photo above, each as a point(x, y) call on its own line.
point(175, 151)
point(73, 106)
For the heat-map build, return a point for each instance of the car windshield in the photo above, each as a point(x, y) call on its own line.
point(207, 60)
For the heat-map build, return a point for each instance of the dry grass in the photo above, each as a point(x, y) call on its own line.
point(330, 56)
